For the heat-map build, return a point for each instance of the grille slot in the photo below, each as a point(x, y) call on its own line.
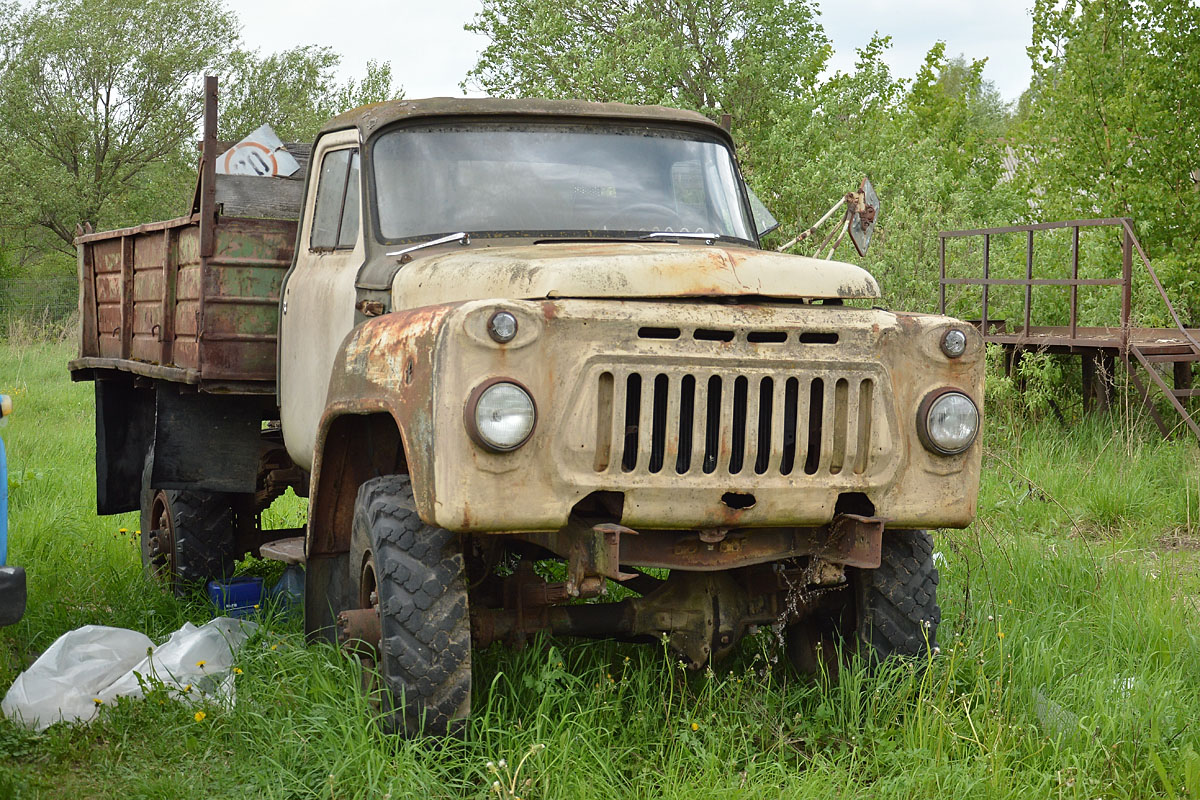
point(733, 424)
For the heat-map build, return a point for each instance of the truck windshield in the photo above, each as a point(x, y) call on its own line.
point(552, 180)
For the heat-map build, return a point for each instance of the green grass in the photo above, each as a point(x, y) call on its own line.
point(1084, 558)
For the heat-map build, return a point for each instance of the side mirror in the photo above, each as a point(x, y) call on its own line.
point(864, 210)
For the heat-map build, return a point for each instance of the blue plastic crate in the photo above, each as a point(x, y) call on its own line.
point(237, 597)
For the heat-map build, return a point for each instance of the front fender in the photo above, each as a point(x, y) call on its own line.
point(384, 367)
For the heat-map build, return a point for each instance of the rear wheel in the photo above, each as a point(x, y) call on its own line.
point(413, 574)
point(187, 538)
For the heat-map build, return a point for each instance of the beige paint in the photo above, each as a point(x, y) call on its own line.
point(318, 313)
point(621, 270)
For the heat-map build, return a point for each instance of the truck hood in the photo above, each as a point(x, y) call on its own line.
point(622, 270)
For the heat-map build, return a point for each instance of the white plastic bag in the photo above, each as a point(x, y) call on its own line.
point(96, 664)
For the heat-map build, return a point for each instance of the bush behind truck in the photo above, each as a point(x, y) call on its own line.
point(483, 334)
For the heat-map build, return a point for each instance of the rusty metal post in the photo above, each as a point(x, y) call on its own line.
point(1126, 287)
point(1182, 380)
point(1028, 279)
point(942, 280)
point(987, 272)
point(1074, 277)
point(1088, 370)
point(127, 296)
point(208, 168)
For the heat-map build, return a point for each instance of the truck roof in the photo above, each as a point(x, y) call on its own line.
point(371, 117)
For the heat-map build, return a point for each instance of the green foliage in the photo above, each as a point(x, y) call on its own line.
point(1083, 557)
point(94, 92)
point(295, 92)
point(739, 57)
point(101, 109)
point(930, 150)
point(1112, 118)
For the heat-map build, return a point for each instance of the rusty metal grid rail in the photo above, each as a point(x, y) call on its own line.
point(1125, 281)
point(1148, 348)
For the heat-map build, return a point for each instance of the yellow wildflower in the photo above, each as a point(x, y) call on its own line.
point(199, 716)
point(695, 726)
point(1000, 634)
point(237, 670)
point(97, 701)
point(201, 664)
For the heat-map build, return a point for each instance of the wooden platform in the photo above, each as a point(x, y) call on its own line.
point(1060, 339)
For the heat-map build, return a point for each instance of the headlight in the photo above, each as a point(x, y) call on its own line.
point(947, 422)
point(500, 415)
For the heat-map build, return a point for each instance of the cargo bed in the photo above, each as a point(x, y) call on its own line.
point(194, 300)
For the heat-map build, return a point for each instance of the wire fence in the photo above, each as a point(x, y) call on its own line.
point(30, 304)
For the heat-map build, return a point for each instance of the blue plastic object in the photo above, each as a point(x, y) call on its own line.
point(288, 592)
point(13, 593)
point(237, 597)
point(3, 506)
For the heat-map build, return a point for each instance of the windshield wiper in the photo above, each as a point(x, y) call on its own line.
point(461, 237)
point(708, 238)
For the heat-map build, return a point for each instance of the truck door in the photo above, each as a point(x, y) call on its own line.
point(319, 293)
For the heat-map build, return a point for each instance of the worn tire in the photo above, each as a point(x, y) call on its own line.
point(201, 548)
point(896, 604)
point(425, 649)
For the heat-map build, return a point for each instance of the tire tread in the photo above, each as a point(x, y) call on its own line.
point(425, 657)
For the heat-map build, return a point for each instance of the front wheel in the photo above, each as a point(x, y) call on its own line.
point(414, 575)
point(884, 613)
point(898, 613)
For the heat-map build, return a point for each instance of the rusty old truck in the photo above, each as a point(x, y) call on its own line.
point(517, 354)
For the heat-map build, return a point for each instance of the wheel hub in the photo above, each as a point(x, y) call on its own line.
point(159, 542)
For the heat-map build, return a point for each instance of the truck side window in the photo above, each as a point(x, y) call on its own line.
point(335, 218)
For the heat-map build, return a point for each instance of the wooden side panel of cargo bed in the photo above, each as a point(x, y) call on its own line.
point(242, 280)
point(106, 261)
point(188, 285)
point(148, 263)
point(150, 301)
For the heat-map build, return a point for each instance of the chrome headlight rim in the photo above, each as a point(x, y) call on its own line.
point(926, 407)
point(954, 351)
point(499, 317)
point(472, 405)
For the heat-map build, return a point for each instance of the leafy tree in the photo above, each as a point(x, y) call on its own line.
point(102, 103)
point(1111, 123)
point(295, 92)
point(740, 57)
point(96, 91)
point(929, 147)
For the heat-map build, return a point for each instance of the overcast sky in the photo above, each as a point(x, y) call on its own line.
point(431, 53)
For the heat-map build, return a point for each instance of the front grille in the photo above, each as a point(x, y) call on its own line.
point(747, 422)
